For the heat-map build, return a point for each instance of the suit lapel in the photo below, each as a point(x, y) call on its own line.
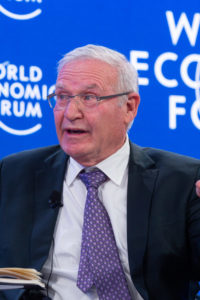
point(48, 179)
point(142, 177)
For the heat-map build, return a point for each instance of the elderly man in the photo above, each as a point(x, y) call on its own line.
point(100, 217)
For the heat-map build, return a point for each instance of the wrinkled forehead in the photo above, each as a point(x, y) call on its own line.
point(88, 71)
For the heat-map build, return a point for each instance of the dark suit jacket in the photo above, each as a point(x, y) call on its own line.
point(163, 217)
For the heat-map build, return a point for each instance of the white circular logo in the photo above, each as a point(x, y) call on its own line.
point(21, 16)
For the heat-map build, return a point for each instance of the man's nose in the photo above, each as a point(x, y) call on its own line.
point(73, 110)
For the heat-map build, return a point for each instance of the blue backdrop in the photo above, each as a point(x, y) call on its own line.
point(161, 38)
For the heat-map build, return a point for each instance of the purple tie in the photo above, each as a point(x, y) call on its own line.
point(99, 262)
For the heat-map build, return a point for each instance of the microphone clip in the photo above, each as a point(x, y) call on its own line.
point(55, 200)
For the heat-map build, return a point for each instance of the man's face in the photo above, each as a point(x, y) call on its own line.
point(91, 135)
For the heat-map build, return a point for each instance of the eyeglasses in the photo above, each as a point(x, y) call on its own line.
point(88, 100)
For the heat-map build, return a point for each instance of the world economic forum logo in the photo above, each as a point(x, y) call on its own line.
point(185, 64)
point(20, 9)
point(23, 98)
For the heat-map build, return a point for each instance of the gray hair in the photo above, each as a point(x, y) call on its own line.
point(127, 74)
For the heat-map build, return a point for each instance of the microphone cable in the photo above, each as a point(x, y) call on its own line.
point(51, 269)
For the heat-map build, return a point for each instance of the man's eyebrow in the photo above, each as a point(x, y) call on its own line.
point(92, 86)
point(59, 86)
point(86, 87)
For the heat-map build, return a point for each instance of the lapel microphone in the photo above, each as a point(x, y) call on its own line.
point(55, 200)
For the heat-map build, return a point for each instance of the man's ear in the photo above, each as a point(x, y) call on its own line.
point(132, 105)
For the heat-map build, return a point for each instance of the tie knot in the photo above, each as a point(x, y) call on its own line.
point(93, 179)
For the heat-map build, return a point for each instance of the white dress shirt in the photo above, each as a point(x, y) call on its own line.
point(64, 254)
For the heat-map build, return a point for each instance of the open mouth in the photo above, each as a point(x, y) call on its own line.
point(70, 131)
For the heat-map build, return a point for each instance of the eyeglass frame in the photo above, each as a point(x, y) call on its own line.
point(98, 98)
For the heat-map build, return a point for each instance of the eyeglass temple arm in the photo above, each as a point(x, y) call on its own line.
point(112, 96)
point(51, 95)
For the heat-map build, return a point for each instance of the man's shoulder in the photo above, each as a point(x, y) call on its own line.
point(31, 157)
point(160, 155)
point(162, 158)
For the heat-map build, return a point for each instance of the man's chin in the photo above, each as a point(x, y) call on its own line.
point(76, 152)
point(84, 158)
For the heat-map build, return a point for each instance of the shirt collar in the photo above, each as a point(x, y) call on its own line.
point(113, 166)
